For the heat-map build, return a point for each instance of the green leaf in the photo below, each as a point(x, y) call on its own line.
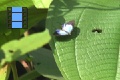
point(8, 3)
point(101, 3)
point(42, 3)
point(91, 51)
point(17, 48)
point(34, 16)
point(30, 75)
point(44, 63)
point(4, 72)
point(3, 8)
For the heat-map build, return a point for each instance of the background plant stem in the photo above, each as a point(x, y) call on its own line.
point(14, 70)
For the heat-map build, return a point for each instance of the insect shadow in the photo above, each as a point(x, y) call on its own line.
point(73, 35)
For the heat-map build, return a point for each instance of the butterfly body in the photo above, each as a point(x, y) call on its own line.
point(67, 28)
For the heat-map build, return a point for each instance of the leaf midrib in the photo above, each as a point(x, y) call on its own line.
point(80, 17)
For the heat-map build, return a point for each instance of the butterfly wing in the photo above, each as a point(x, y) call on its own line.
point(67, 28)
point(60, 32)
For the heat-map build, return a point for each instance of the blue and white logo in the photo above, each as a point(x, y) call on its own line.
point(67, 28)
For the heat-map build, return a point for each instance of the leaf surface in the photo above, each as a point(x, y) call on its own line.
point(44, 63)
point(42, 3)
point(17, 48)
point(4, 72)
point(91, 52)
point(34, 16)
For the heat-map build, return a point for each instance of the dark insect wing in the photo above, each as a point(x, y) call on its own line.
point(97, 30)
point(56, 32)
point(72, 22)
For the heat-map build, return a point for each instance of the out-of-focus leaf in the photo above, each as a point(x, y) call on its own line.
point(5, 72)
point(44, 63)
point(31, 75)
point(42, 3)
point(3, 11)
point(34, 16)
point(17, 48)
point(14, 3)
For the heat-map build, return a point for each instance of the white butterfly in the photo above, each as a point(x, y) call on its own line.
point(67, 28)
